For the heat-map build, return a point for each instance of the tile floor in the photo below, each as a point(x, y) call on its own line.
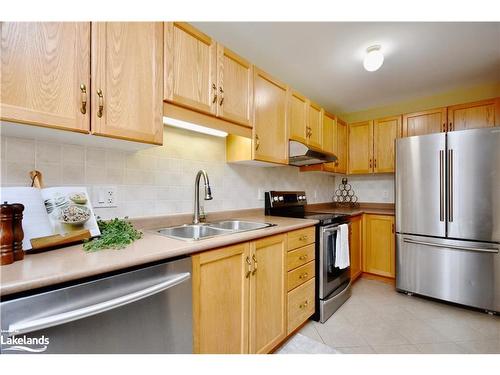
point(377, 319)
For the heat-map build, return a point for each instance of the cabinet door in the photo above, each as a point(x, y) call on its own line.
point(328, 133)
point(483, 114)
point(190, 68)
point(385, 132)
point(44, 65)
point(235, 87)
point(379, 245)
point(221, 282)
point(127, 71)
point(270, 119)
point(342, 146)
point(298, 117)
point(425, 122)
point(315, 124)
point(355, 243)
point(360, 147)
point(268, 294)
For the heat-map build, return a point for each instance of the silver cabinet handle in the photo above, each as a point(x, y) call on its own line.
point(450, 186)
point(69, 316)
point(441, 185)
point(455, 247)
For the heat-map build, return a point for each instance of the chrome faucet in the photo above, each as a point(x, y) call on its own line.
point(208, 194)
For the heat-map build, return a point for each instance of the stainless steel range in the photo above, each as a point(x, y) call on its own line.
point(332, 284)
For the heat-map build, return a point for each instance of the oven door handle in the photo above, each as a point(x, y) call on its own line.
point(83, 312)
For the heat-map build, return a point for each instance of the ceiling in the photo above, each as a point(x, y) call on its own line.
point(323, 60)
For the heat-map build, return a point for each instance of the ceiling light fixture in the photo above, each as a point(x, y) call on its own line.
point(373, 58)
point(193, 127)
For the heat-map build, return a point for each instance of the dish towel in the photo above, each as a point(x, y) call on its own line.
point(342, 247)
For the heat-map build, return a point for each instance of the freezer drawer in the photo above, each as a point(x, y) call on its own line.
point(463, 272)
point(144, 311)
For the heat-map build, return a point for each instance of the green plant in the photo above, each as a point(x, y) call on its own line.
point(115, 234)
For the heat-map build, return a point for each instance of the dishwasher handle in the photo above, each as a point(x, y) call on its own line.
point(69, 316)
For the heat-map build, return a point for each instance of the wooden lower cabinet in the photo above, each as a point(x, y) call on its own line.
point(300, 304)
point(267, 294)
point(239, 297)
point(355, 244)
point(221, 300)
point(379, 245)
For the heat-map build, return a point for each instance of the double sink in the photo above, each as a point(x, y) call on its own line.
point(209, 230)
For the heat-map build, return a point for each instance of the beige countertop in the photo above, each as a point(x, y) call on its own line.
point(72, 263)
point(364, 208)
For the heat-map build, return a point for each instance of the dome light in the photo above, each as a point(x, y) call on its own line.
point(373, 59)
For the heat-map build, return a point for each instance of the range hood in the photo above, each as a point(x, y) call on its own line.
point(300, 154)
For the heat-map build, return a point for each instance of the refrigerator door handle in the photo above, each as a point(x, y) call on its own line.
point(455, 247)
point(441, 185)
point(450, 185)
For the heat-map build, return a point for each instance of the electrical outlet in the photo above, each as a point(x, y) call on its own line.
point(104, 196)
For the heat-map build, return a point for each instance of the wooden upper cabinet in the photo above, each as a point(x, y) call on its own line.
point(298, 117)
point(270, 143)
point(43, 68)
point(342, 146)
point(268, 290)
point(379, 245)
point(482, 114)
point(190, 68)
point(425, 122)
point(385, 132)
point(360, 147)
point(127, 97)
point(234, 87)
point(315, 125)
point(221, 300)
point(329, 137)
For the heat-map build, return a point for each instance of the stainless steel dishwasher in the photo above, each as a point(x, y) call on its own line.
point(148, 310)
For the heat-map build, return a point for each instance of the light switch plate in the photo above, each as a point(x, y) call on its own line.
point(104, 196)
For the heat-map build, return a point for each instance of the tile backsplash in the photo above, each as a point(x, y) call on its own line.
point(371, 188)
point(156, 180)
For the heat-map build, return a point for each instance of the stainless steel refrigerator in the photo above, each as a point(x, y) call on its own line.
point(448, 216)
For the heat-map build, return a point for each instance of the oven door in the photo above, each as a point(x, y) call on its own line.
point(330, 277)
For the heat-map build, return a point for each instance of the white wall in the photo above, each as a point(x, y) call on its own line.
point(158, 180)
point(371, 188)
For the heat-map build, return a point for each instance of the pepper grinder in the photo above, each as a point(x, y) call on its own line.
point(6, 234)
point(18, 233)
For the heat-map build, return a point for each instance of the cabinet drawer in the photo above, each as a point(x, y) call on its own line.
point(300, 304)
point(299, 257)
point(300, 275)
point(301, 237)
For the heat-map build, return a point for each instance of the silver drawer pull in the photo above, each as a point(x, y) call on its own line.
point(455, 247)
point(69, 316)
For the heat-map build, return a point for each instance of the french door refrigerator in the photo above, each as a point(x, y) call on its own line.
point(448, 217)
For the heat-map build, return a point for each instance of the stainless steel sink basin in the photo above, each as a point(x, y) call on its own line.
point(208, 230)
point(239, 225)
point(192, 232)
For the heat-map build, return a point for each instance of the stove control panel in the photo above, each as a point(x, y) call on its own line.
point(283, 199)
